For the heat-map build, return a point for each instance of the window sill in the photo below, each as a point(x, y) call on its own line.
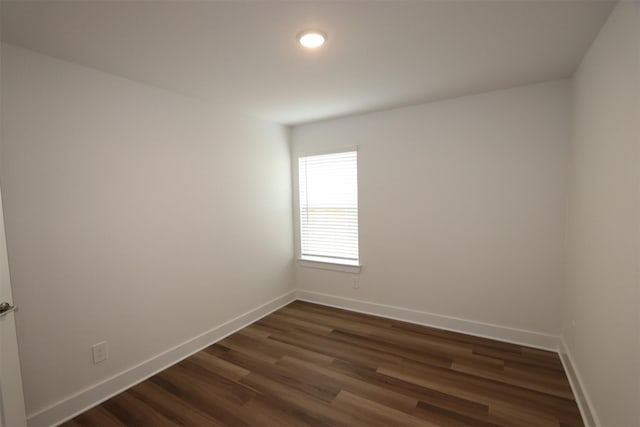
point(328, 265)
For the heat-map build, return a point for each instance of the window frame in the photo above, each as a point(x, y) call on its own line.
point(321, 263)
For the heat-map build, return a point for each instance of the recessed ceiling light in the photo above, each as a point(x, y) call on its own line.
point(312, 38)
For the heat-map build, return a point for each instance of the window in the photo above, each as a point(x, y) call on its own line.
point(329, 208)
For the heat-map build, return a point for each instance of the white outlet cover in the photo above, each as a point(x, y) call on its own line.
point(100, 352)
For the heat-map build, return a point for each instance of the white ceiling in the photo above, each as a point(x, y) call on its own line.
point(242, 55)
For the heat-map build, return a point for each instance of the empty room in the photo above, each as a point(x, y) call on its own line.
point(320, 213)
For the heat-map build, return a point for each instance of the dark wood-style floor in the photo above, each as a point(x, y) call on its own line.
point(308, 364)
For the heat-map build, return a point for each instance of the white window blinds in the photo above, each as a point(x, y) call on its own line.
point(329, 207)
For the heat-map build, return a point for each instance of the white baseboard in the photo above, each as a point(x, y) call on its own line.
point(92, 396)
point(485, 330)
point(577, 386)
point(96, 394)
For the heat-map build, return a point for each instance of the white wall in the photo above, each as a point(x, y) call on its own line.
point(462, 206)
point(133, 216)
point(602, 295)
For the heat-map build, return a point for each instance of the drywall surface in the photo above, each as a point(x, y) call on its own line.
point(134, 216)
point(602, 296)
point(461, 206)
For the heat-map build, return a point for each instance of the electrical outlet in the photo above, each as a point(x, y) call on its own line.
point(356, 282)
point(100, 352)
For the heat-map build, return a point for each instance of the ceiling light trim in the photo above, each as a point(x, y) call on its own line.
point(312, 39)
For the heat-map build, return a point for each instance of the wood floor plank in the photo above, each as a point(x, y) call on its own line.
point(132, 411)
point(219, 366)
point(383, 347)
point(440, 335)
point(369, 391)
point(313, 386)
point(301, 353)
point(518, 403)
point(531, 359)
point(295, 322)
point(73, 423)
point(171, 406)
point(268, 411)
point(333, 322)
point(446, 417)
point(441, 399)
point(508, 377)
point(446, 405)
point(98, 416)
point(373, 413)
point(198, 394)
point(337, 349)
point(313, 365)
point(346, 316)
point(316, 409)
